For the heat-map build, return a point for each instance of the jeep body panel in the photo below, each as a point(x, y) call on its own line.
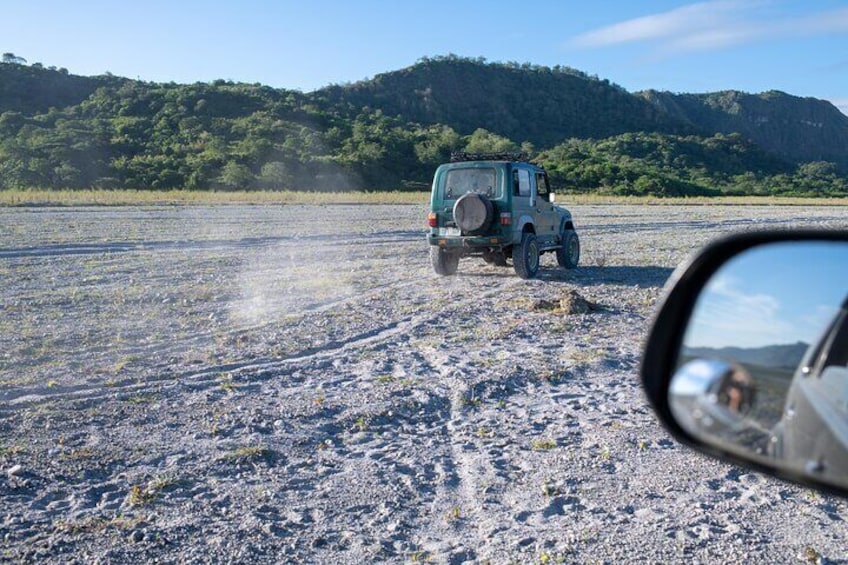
point(517, 199)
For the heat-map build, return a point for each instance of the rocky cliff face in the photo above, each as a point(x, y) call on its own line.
point(799, 129)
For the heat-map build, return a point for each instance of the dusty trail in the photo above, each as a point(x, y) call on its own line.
point(294, 384)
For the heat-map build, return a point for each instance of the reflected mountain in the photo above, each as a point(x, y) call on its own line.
point(786, 356)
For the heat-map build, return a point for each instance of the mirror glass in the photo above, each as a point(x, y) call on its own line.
point(763, 369)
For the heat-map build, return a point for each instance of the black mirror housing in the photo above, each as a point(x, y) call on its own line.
point(662, 351)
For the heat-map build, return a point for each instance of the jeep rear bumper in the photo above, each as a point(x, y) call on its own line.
point(468, 242)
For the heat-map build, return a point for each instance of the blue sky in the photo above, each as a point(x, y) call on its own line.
point(800, 47)
point(772, 295)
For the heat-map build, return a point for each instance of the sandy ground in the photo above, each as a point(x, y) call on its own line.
point(295, 384)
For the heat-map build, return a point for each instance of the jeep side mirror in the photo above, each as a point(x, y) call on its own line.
point(747, 359)
point(551, 197)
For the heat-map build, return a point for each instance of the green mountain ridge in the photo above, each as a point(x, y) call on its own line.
point(59, 130)
point(523, 102)
point(797, 129)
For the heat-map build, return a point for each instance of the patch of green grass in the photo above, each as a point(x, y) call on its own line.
point(141, 399)
point(123, 362)
point(420, 557)
point(96, 524)
point(142, 495)
point(811, 555)
point(471, 402)
point(385, 379)
point(361, 423)
point(550, 488)
point(13, 449)
point(543, 444)
point(454, 514)
point(547, 558)
point(247, 453)
point(79, 454)
point(226, 383)
point(484, 433)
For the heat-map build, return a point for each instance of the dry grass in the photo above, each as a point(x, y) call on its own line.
point(187, 197)
point(35, 197)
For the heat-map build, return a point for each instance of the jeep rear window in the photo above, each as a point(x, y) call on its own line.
point(463, 181)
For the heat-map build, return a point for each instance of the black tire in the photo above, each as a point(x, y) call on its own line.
point(473, 213)
point(568, 256)
point(526, 261)
point(445, 263)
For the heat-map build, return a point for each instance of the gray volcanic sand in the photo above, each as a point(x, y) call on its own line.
point(295, 384)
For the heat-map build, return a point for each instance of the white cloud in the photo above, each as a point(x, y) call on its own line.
point(842, 104)
point(835, 21)
point(712, 25)
point(727, 315)
point(699, 19)
point(657, 26)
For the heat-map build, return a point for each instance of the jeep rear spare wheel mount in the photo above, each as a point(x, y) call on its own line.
point(473, 212)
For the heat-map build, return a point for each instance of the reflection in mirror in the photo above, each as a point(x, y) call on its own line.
point(763, 369)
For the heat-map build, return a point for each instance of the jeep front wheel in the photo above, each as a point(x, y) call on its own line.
point(444, 262)
point(526, 261)
point(569, 254)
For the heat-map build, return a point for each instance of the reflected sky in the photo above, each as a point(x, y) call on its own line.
point(774, 294)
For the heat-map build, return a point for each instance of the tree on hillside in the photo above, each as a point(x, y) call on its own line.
point(13, 59)
point(484, 141)
point(236, 177)
point(275, 175)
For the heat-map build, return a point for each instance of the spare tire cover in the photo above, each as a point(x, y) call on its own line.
point(473, 212)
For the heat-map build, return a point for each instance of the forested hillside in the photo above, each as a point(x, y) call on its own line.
point(522, 102)
point(798, 129)
point(58, 130)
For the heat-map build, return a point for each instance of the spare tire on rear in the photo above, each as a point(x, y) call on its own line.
point(473, 213)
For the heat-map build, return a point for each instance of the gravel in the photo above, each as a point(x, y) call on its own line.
point(294, 384)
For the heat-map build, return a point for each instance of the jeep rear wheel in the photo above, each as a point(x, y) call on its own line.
point(473, 213)
point(526, 261)
point(444, 262)
point(569, 254)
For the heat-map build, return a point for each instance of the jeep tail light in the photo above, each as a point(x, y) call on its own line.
point(506, 218)
point(432, 220)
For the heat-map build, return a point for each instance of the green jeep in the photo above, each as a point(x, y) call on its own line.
point(498, 206)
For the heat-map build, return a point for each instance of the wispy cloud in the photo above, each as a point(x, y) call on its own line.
point(712, 25)
point(674, 24)
point(842, 104)
point(727, 315)
point(835, 21)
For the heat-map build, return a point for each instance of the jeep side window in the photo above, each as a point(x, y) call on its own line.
point(523, 182)
point(542, 185)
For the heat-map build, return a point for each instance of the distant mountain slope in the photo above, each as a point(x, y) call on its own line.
point(798, 129)
point(786, 356)
point(522, 102)
point(59, 130)
point(32, 90)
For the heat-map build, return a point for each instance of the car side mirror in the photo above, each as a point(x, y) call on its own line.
point(551, 197)
point(747, 359)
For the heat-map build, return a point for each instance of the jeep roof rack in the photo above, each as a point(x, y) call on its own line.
point(459, 156)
